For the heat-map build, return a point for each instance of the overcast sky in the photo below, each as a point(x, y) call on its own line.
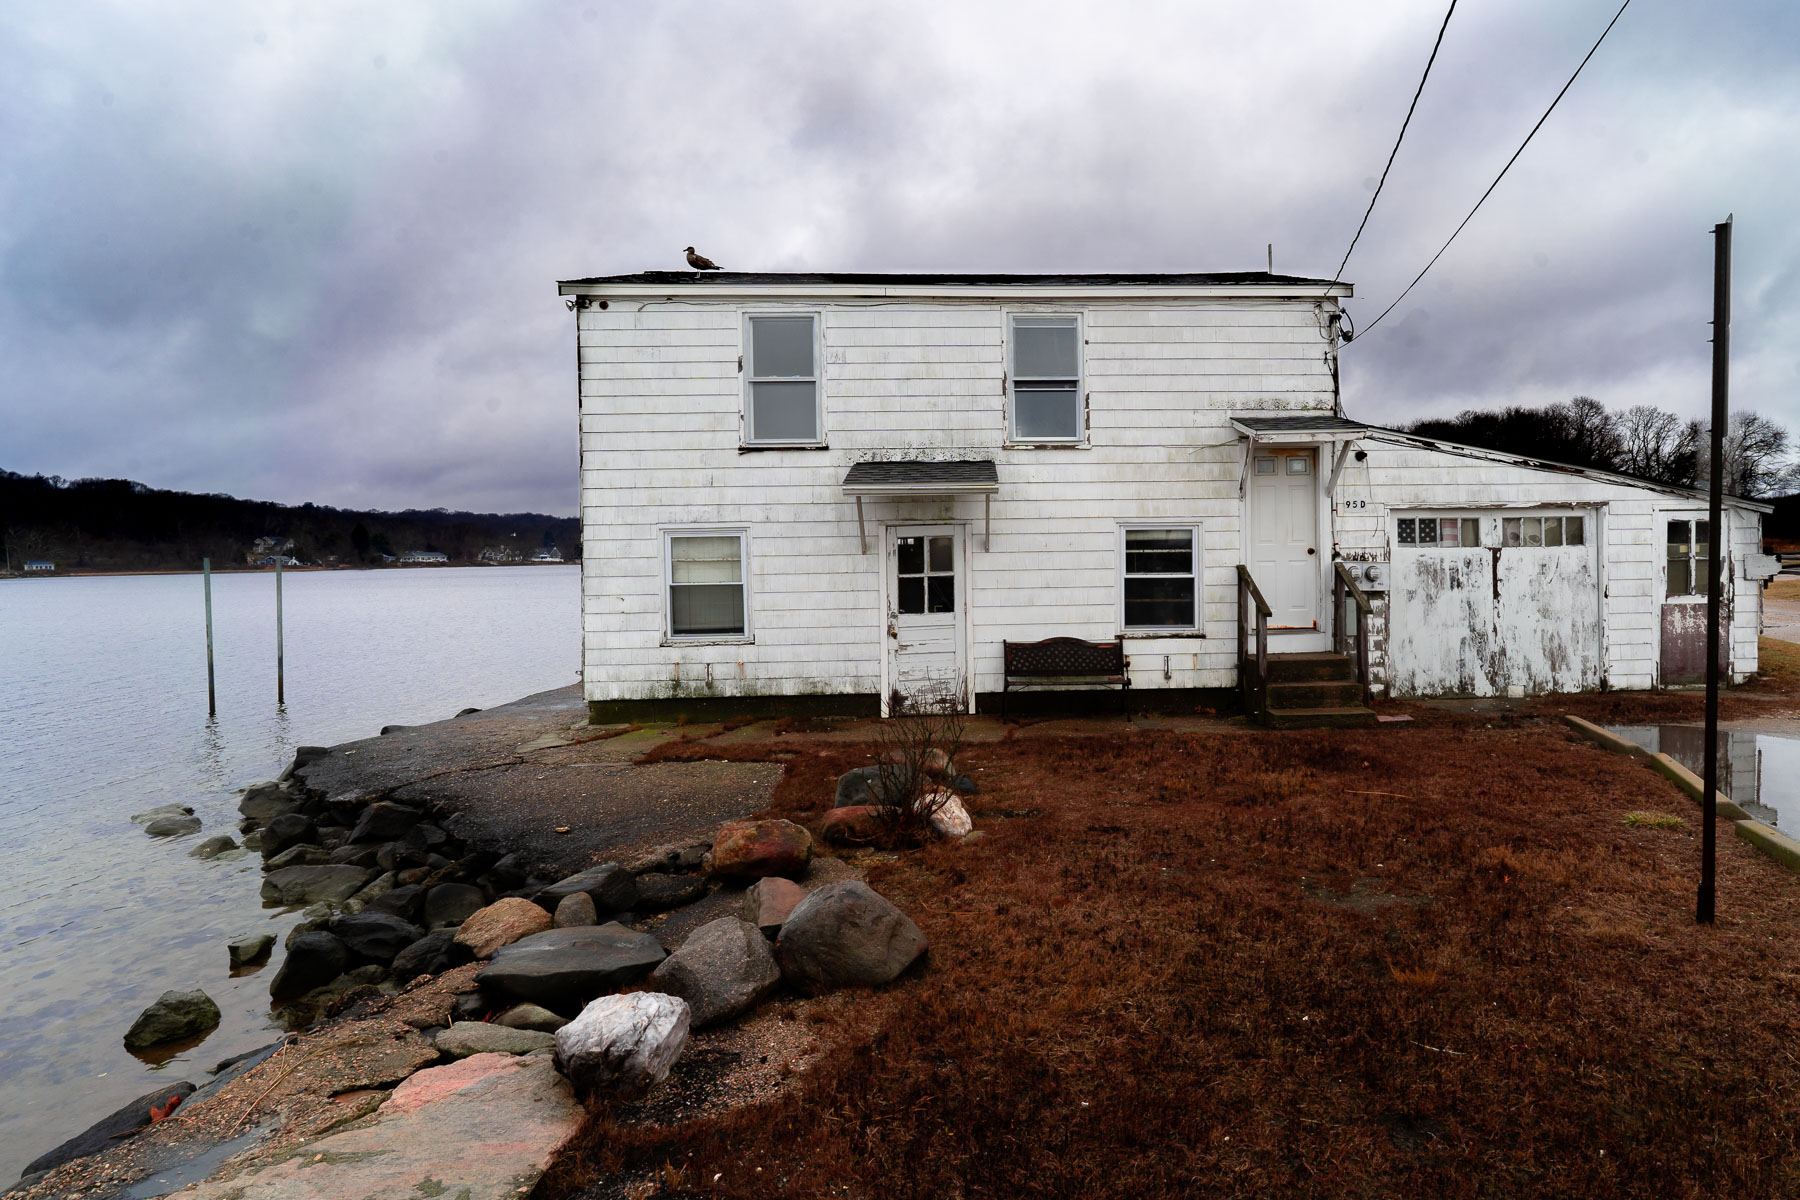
point(307, 251)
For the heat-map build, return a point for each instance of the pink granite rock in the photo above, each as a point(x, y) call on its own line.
point(500, 924)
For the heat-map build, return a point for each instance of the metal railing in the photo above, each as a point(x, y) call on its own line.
point(1253, 673)
point(1342, 586)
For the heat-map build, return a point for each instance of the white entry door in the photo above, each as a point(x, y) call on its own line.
point(1284, 535)
point(927, 598)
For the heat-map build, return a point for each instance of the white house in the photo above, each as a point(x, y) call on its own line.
point(39, 565)
point(859, 487)
point(425, 557)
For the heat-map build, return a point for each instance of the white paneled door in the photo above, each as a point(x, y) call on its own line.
point(1284, 535)
point(926, 599)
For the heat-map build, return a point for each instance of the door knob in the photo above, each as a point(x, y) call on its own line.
point(1310, 550)
point(893, 632)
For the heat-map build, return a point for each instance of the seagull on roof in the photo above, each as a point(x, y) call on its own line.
point(700, 262)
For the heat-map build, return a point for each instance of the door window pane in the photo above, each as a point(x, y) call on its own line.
point(911, 555)
point(1512, 531)
point(1534, 531)
point(1471, 531)
point(925, 574)
point(1298, 464)
point(940, 553)
point(784, 412)
point(1047, 411)
point(911, 594)
point(1428, 531)
point(1408, 529)
point(1265, 466)
point(1449, 532)
point(1553, 531)
point(1574, 532)
point(940, 593)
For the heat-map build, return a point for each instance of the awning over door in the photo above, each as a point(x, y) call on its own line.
point(1306, 429)
point(908, 479)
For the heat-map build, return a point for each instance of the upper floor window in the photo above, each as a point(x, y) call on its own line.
point(782, 368)
point(1046, 379)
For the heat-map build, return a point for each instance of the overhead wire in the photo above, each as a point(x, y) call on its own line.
point(1503, 170)
point(1338, 276)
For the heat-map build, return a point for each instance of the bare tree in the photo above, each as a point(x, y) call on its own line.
point(1657, 445)
point(1756, 459)
point(1589, 431)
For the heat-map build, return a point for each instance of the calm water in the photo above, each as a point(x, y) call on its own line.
point(1759, 771)
point(103, 714)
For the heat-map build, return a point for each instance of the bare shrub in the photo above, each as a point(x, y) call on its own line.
point(916, 752)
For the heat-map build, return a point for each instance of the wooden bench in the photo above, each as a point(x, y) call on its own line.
point(1066, 662)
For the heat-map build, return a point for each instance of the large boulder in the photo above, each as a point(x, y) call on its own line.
point(564, 968)
point(313, 960)
point(611, 887)
point(846, 935)
point(174, 1016)
point(623, 1044)
point(172, 826)
point(945, 813)
point(161, 811)
point(432, 954)
point(501, 923)
point(106, 1133)
point(289, 829)
point(451, 904)
point(374, 936)
point(302, 855)
point(767, 903)
point(464, 1038)
point(657, 890)
point(756, 849)
point(407, 902)
point(724, 968)
point(263, 802)
point(854, 825)
point(309, 885)
point(574, 910)
point(214, 846)
point(386, 821)
point(870, 786)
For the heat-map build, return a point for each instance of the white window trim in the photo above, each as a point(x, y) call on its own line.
point(1081, 381)
point(670, 637)
point(1493, 525)
point(748, 357)
point(1199, 625)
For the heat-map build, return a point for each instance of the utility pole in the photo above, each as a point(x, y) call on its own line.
point(1715, 533)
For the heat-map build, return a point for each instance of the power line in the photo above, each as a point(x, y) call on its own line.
point(1338, 277)
point(1503, 170)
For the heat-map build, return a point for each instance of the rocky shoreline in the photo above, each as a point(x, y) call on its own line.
point(475, 968)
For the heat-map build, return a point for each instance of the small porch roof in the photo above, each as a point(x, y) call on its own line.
point(904, 479)
point(1321, 426)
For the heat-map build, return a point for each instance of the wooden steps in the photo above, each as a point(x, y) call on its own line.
point(1314, 691)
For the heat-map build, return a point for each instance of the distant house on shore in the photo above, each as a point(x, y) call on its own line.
point(549, 554)
point(424, 558)
point(270, 545)
point(269, 560)
point(39, 566)
point(499, 555)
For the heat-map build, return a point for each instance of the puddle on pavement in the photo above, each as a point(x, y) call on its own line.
point(1760, 771)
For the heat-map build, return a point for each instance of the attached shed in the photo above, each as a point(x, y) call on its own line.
point(1506, 575)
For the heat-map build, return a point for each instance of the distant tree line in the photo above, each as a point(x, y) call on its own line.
point(118, 525)
point(1644, 441)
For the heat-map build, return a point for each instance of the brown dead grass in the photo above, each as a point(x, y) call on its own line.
point(1775, 689)
point(1426, 962)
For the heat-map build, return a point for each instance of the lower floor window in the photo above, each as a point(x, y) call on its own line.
point(706, 585)
point(1161, 579)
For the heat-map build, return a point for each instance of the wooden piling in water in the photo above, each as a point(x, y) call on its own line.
point(280, 666)
point(212, 695)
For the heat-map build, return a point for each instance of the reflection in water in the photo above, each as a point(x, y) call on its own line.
point(1759, 771)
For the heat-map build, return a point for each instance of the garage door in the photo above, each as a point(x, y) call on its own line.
point(1483, 603)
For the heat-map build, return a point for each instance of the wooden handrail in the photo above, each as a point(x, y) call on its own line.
point(1262, 606)
point(1356, 593)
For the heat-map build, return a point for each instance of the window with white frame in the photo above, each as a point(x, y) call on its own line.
point(1046, 379)
point(1549, 529)
point(781, 366)
point(706, 584)
point(1160, 578)
point(1445, 532)
point(1689, 551)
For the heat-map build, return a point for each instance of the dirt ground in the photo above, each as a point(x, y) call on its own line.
point(1430, 959)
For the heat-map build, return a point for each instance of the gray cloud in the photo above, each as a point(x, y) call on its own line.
point(304, 252)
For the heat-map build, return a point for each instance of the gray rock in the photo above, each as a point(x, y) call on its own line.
point(298, 856)
point(161, 811)
point(575, 910)
point(214, 846)
point(479, 1037)
point(263, 802)
point(174, 1016)
point(846, 935)
point(612, 888)
point(313, 917)
point(172, 826)
point(965, 785)
point(672, 857)
point(724, 968)
point(374, 890)
point(356, 856)
point(869, 785)
point(450, 904)
point(252, 948)
point(423, 838)
point(305, 885)
point(376, 936)
point(769, 902)
point(531, 1016)
point(106, 1133)
point(406, 901)
point(252, 839)
point(289, 829)
point(563, 968)
point(386, 821)
point(432, 954)
point(623, 1044)
point(313, 960)
point(304, 756)
point(659, 891)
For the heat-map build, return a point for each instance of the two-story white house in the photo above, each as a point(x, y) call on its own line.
point(854, 487)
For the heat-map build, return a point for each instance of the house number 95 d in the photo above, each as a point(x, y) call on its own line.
point(1349, 504)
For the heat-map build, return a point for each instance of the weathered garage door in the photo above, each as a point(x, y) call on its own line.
point(1480, 604)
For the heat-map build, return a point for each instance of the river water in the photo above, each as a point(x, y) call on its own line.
point(103, 714)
